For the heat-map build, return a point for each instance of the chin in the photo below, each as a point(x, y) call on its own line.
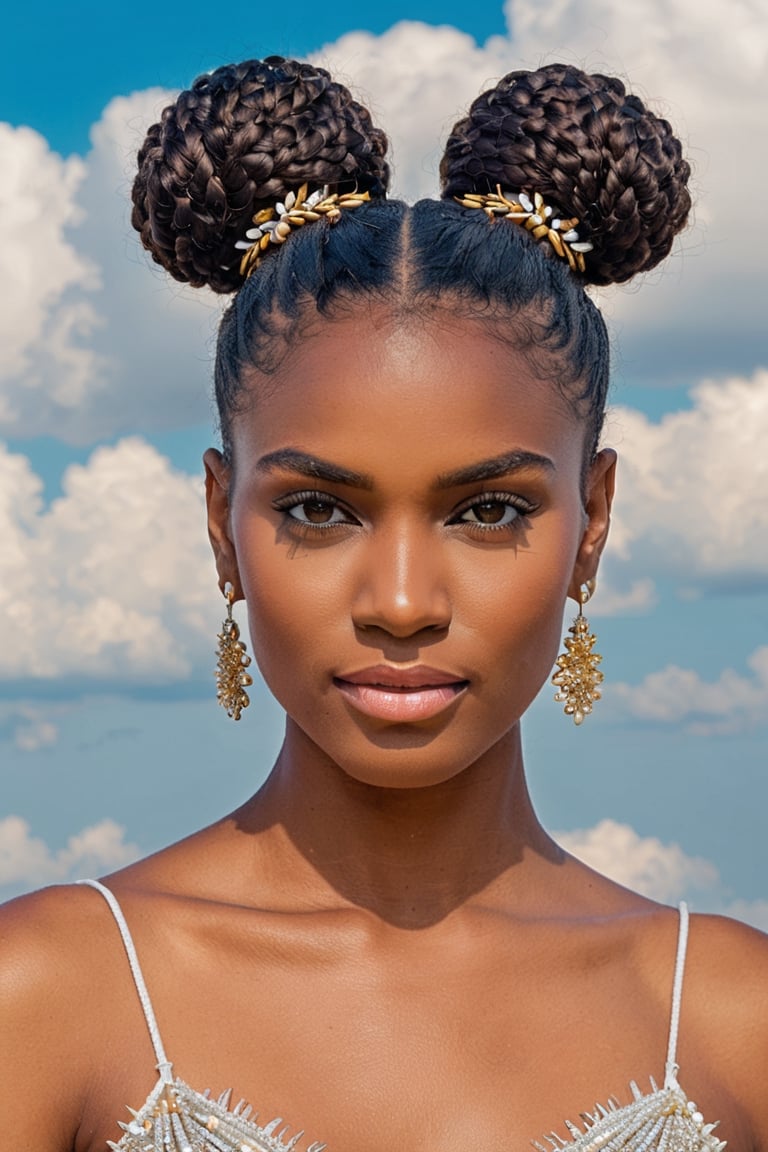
point(406, 757)
point(403, 778)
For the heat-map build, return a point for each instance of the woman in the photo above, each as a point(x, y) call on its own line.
point(383, 945)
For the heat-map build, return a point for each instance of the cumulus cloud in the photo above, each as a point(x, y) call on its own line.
point(660, 871)
point(27, 862)
point(97, 344)
point(731, 703)
point(690, 487)
point(639, 597)
point(417, 106)
point(38, 263)
point(123, 587)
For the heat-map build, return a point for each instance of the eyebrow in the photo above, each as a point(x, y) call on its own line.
point(498, 466)
point(292, 460)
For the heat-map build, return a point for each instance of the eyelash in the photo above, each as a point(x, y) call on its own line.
point(297, 499)
point(521, 506)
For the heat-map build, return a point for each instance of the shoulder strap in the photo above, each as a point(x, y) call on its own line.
point(671, 1070)
point(163, 1063)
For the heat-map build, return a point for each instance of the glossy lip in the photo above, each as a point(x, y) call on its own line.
point(400, 694)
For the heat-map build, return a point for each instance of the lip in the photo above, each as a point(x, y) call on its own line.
point(401, 694)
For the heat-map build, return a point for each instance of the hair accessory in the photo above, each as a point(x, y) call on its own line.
point(538, 217)
point(578, 676)
point(274, 225)
point(231, 676)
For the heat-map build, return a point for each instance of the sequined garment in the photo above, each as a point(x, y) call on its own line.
point(175, 1118)
point(178, 1119)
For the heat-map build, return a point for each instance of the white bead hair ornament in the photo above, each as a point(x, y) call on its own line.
point(537, 217)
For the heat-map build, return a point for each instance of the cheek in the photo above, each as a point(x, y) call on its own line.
point(296, 610)
point(520, 623)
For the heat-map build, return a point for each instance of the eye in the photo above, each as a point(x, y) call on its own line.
point(314, 509)
point(493, 510)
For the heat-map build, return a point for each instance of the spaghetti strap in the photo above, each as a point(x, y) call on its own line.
point(163, 1063)
point(670, 1077)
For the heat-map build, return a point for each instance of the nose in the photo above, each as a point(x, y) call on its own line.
point(403, 584)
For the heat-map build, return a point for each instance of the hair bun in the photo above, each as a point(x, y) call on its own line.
point(591, 150)
point(239, 139)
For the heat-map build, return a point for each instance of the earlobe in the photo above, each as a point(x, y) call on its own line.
point(217, 481)
point(601, 483)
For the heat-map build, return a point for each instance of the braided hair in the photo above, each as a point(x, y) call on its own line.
point(591, 150)
point(236, 142)
point(246, 135)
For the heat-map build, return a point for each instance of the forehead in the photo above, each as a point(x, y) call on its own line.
point(374, 388)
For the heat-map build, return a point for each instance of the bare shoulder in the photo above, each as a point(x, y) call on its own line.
point(725, 1010)
point(725, 988)
point(727, 975)
point(46, 979)
point(719, 943)
point(731, 959)
point(34, 928)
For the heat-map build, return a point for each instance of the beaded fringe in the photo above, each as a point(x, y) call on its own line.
point(665, 1121)
point(177, 1119)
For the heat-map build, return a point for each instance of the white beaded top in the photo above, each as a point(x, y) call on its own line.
point(176, 1118)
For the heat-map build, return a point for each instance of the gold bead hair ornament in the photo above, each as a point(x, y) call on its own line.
point(538, 217)
point(274, 225)
point(578, 677)
point(231, 676)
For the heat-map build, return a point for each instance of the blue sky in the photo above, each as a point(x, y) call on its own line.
point(110, 739)
point(63, 65)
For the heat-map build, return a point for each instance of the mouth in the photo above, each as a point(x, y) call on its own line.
point(400, 694)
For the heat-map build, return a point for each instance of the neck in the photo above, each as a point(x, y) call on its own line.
point(409, 855)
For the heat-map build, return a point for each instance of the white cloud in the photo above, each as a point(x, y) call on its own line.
point(37, 262)
point(96, 343)
point(81, 364)
point(690, 487)
point(416, 106)
point(124, 585)
point(27, 862)
point(639, 597)
point(661, 871)
point(731, 703)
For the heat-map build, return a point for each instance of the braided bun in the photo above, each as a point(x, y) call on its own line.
point(240, 139)
point(591, 150)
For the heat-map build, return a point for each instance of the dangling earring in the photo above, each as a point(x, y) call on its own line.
point(231, 676)
point(578, 676)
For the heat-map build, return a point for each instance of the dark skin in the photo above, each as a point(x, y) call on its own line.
point(383, 945)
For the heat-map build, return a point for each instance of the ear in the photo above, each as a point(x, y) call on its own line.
point(601, 483)
point(218, 475)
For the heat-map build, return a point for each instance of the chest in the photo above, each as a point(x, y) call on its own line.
point(426, 1057)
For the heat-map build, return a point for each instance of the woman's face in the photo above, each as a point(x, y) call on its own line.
point(405, 523)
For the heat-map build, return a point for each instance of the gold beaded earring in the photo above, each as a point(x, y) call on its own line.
point(231, 676)
point(578, 676)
